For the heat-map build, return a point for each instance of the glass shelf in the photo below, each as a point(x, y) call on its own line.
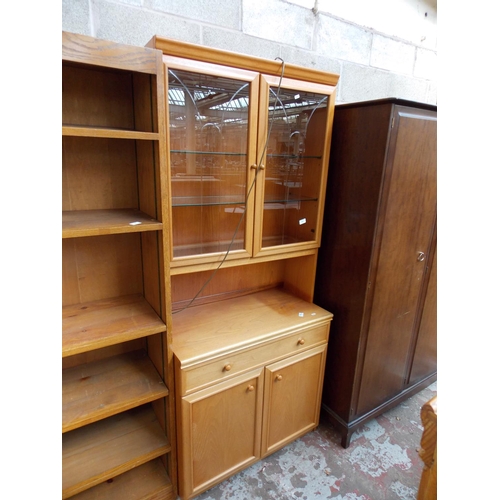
point(222, 153)
point(206, 201)
point(292, 156)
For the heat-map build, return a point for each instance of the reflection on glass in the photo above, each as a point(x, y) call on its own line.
point(293, 166)
point(208, 122)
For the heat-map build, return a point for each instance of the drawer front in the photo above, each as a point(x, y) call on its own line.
point(225, 366)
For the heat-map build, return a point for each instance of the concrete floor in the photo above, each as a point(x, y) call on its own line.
point(381, 463)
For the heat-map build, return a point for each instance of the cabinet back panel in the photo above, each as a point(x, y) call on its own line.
point(211, 229)
point(296, 223)
point(98, 174)
point(227, 282)
point(101, 267)
point(105, 352)
point(97, 97)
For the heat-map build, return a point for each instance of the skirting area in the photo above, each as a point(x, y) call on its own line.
point(382, 463)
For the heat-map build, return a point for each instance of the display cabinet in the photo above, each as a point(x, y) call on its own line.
point(248, 148)
point(247, 153)
point(118, 413)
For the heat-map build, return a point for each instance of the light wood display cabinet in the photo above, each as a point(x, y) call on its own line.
point(248, 142)
point(118, 413)
point(377, 265)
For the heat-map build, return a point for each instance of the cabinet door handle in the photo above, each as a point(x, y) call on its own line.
point(420, 256)
point(301, 342)
point(250, 388)
point(279, 377)
point(226, 368)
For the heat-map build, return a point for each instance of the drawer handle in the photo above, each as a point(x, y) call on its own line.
point(226, 368)
point(279, 377)
point(250, 388)
point(301, 342)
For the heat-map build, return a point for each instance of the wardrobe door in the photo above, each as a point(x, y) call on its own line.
point(403, 238)
point(425, 352)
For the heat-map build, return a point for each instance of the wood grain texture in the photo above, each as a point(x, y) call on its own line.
point(80, 223)
point(146, 482)
point(98, 174)
point(237, 60)
point(292, 398)
point(219, 431)
point(106, 387)
point(220, 386)
point(98, 452)
point(89, 50)
point(94, 325)
point(116, 289)
point(425, 353)
point(102, 267)
point(206, 373)
point(239, 323)
point(428, 452)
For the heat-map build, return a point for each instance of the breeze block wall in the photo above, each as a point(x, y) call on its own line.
point(380, 49)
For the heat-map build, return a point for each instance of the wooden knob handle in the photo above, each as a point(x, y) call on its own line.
point(226, 368)
point(250, 388)
point(301, 342)
point(279, 377)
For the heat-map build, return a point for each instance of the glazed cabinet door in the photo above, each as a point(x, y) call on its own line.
point(405, 232)
point(212, 118)
point(220, 429)
point(295, 121)
point(292, 398)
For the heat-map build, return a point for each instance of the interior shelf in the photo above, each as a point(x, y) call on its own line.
point(113, 133)
point(105, 449)
point(206, 201)
point(98, 222)
point(106, 322)
point(146, 482)
point(99, 389)
point(206, 153)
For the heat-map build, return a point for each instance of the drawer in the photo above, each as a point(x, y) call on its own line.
point(204, 374)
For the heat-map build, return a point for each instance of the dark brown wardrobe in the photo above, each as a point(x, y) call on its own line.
point(377, 261)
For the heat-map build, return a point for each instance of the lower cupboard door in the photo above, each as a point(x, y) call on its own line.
point(292, 400)
point(220, 432)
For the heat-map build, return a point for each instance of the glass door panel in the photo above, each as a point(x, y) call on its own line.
point(209, 119)
point(294, 165)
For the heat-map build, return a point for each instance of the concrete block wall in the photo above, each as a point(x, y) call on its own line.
point(380, 49)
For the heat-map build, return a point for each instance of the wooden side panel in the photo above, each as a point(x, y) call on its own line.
point(406, 229)
point(351, 208)
point(299, 276)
